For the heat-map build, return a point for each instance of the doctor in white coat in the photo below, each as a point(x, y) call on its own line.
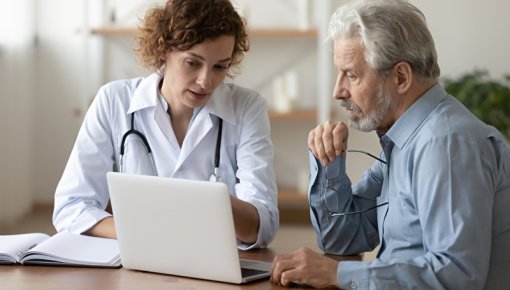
point(177, 113)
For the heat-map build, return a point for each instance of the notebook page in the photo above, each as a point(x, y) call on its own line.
point(74, 248)
point(11, 245)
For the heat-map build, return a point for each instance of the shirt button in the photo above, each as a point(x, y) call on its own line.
point(354, 285)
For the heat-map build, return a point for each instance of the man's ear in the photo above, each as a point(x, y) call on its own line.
point(403, 77)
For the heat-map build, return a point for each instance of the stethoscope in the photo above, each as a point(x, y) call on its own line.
point(215, 177)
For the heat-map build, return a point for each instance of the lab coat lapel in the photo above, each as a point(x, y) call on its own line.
point(160, 133)
point(222, 104)
point(147, 96)
point(162, 119)
point(201, 126)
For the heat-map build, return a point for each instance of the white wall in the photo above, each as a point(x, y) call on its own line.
point(42, 125)
point(470, 34)
point(16, 107)
point(60, 91)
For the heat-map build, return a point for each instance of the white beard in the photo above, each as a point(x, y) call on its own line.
point(367, 123)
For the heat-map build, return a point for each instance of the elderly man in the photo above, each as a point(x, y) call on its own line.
point(436, 200)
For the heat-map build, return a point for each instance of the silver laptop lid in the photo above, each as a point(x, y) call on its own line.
point(175, 226)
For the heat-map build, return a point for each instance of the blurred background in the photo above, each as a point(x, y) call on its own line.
point(54, 55)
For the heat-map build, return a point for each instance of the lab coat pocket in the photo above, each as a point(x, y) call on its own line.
point(137, 160)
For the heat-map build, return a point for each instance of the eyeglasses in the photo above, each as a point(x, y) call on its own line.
point(331, 180)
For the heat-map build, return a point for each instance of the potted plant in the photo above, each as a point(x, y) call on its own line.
point(487, 98)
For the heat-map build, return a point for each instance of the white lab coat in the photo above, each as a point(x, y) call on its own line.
point(246, 163)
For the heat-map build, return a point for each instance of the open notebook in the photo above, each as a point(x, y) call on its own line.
point(178, 227)
point(62, 249)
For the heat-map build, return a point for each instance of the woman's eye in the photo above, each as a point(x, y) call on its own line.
point(221, 67)
point(192, 63)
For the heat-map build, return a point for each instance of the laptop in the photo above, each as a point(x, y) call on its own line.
point(179, 227)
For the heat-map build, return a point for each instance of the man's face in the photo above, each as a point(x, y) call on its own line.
point(360, 90)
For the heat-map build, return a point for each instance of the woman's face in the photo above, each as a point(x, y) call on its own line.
point(191, 76)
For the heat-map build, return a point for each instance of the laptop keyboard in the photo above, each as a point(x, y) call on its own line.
point(245, 272)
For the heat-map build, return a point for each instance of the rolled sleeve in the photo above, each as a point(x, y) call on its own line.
point(257, 181)
point(267, 228)
point(82, 193)
point(348, 234)
point(87, 219)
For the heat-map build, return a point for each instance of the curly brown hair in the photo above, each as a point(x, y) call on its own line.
point(181, 24)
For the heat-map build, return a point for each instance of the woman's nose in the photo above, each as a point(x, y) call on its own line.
point(204, 78)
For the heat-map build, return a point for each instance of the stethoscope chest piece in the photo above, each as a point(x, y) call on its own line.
point(215, 177)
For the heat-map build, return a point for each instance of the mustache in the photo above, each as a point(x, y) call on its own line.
point(350, 106)
point(346, 104)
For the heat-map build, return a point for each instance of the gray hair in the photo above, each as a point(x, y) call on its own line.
point(391, 31)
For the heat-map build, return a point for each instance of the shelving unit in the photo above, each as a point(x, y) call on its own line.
point(129, 31)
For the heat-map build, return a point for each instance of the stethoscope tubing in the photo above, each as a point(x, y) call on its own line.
point(218, 146)
point(144, 140)
point(215, 176)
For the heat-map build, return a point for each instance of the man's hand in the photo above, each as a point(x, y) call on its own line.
point(304, 266)
point(328, 141)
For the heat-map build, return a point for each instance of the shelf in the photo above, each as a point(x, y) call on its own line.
point(130, 31)
point(293, 207)
point(296, 115)
point(289, 196)
point(282, 32)
point(111, 31)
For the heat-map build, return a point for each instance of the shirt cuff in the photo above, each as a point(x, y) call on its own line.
point(352, 275)
point(267, 229)
point(87, 219)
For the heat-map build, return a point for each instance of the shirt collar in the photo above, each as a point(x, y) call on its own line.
point(413, 117)
point(221, 103)
point(146, 94)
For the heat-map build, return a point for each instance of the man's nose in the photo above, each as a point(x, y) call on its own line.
point(341, 93)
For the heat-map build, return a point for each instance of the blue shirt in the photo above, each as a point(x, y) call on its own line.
point(447, 222)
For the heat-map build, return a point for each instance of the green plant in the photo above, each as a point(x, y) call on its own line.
point(487, 98)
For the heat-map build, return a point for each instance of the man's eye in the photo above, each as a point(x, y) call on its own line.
point(351, 77)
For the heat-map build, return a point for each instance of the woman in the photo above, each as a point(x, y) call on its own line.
point(181, 110)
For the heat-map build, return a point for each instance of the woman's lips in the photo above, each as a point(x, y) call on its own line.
point(198, 96)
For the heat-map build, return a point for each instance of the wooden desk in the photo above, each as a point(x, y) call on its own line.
point(47, 277)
